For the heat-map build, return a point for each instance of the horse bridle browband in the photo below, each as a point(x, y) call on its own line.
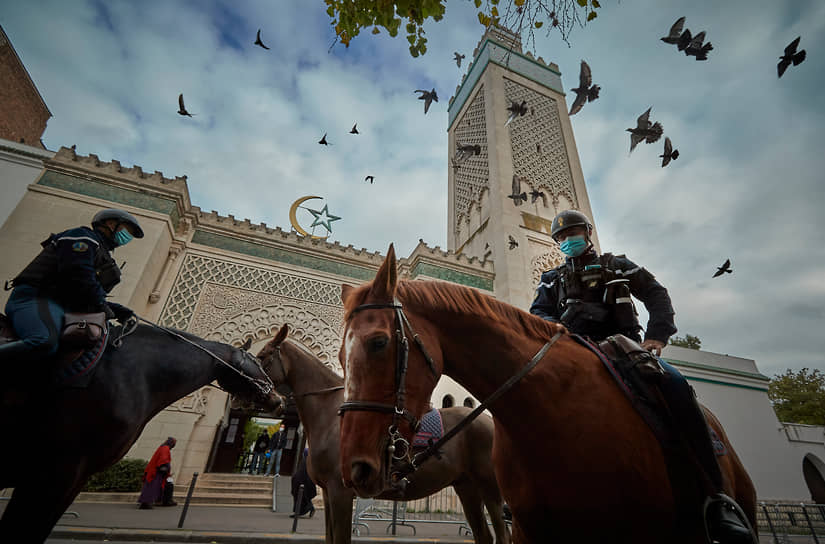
point(399, 475)
point(398, 446)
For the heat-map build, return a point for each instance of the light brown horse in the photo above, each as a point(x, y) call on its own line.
point(466, 462)
point(573, 459)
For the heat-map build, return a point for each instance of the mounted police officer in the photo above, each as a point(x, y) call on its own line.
point(73, 273)
point(590, 295)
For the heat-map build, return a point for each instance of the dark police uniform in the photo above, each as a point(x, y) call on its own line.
point(73, 273)
point(589, 294)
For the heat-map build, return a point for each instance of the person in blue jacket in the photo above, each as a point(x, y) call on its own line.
point(74, 272)
point(590, 295)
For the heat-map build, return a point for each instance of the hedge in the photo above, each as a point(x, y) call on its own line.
point(126, 475)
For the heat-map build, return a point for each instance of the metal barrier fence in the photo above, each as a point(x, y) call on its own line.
point(792, 522)
point(442, 507)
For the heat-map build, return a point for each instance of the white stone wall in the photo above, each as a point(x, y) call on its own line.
point(20, 165)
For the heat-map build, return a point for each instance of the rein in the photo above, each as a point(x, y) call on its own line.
point(398, 477)
point(321, 391)
point(265, 387)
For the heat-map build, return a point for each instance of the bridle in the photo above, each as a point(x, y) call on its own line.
point(398, 447)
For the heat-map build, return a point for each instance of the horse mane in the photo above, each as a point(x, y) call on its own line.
point(460, 300)
point(326, 371)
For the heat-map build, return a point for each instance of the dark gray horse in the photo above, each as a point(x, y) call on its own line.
point(465, 463)
point(89, 429)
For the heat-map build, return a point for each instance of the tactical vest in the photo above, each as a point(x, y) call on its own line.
point(595, 301)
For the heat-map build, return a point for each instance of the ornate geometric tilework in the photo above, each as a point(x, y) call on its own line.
point(473, 175)
point(197, 270)
point(539, 153)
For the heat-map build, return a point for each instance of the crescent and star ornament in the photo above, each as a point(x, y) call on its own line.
point(321, 218)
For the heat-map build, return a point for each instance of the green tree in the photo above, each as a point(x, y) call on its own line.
point(799, 397)
point(688, 341)
point(523, 17)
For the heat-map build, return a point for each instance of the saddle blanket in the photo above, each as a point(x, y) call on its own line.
point(431, 428)
point(77, 371)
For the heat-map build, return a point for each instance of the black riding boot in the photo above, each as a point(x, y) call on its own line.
point(724, 524)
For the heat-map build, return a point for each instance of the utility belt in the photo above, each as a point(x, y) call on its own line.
point(615, 308)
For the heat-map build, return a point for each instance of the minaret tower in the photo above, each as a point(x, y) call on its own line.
point(537, 150)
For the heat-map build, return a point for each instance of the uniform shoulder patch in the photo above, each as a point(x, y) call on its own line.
point(80, 247)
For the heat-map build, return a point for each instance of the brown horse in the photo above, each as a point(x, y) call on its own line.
point(573, 459)
point(466, 462)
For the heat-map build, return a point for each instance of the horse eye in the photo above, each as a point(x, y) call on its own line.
point(377, 344)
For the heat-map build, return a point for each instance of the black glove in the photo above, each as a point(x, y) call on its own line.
point(120, 312)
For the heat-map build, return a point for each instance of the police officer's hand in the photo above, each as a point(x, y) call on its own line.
point(653, 346)
point(121, 312)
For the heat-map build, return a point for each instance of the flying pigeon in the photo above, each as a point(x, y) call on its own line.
point(684, 40)
point(585, 92)
point(427, 97)
point(370, 179)
point(323, 140)
point(458, 59)
point(465, 151)
point(516, 110)
point(791, 56)
point(675, 32)
point(722, 269)
point(669, 154)
point(644, 131)
point(696, 49)
point(512, 241)
point(535, 194)
point(517, 196)
point(182, 110)
point(354, 130)
point(258, 40)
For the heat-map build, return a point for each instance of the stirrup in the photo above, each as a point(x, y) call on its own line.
point(727, 502)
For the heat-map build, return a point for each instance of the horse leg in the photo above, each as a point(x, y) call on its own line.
point(495, 507)
point(35, 509)
point(327, 515)
point(340, 511)
point(473, 511)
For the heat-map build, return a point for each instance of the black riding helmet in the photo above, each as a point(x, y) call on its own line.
point(569, 219)
point(121, 217)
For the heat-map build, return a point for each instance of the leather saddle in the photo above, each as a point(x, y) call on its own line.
point(641, 361)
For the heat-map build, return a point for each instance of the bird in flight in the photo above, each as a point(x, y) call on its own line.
point(517, 195)
point(427, 97)
point(512, 241)
point(722, 269)
point(675, 32)
point(370, 179)
point(258, 40)
point(354, 130)
point(791, 56)
point(458, 59)
point(516, 110)
point(696, 49)
point(644, 131)
point(323, 140)
point(535, 194)
point(465, 151)
point(669, 154)
point(586, 91)
point(182, 110)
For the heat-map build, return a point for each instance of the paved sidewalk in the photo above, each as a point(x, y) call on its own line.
point(217, 524)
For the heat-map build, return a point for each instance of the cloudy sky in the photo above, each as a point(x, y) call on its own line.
point(748, 185)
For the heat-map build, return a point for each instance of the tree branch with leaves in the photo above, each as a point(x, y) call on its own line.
point(799, 397)
point(523, 17)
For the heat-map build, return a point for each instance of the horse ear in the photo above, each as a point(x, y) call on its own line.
point(248, 344)
point(346, 291)
point(383, 286)
point(280, 336)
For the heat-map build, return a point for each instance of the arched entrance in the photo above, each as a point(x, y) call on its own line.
point(813, 469)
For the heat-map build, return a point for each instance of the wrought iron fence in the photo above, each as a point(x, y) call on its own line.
point(442, 507)
point(792, 522)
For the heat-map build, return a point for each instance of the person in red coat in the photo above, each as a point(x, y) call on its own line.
point(156, 488)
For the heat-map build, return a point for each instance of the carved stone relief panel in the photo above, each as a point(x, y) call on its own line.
point(194, 403)
point(545, 257)
point(231, 314)
point(539, 151)
point(472, 176)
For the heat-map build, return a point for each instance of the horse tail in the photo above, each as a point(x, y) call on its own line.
point(740, 485)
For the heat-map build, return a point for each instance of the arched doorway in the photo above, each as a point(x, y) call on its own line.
point(447, 401)
point(813, 469)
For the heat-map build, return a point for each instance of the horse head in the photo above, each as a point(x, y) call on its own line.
point(388, 382)
point(248, 381)
point(270, 357)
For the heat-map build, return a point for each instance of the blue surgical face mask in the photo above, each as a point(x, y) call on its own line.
point(574, 246)
point(123, 237)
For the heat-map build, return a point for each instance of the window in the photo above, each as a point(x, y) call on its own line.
point(469, 402)
point(448, 401)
